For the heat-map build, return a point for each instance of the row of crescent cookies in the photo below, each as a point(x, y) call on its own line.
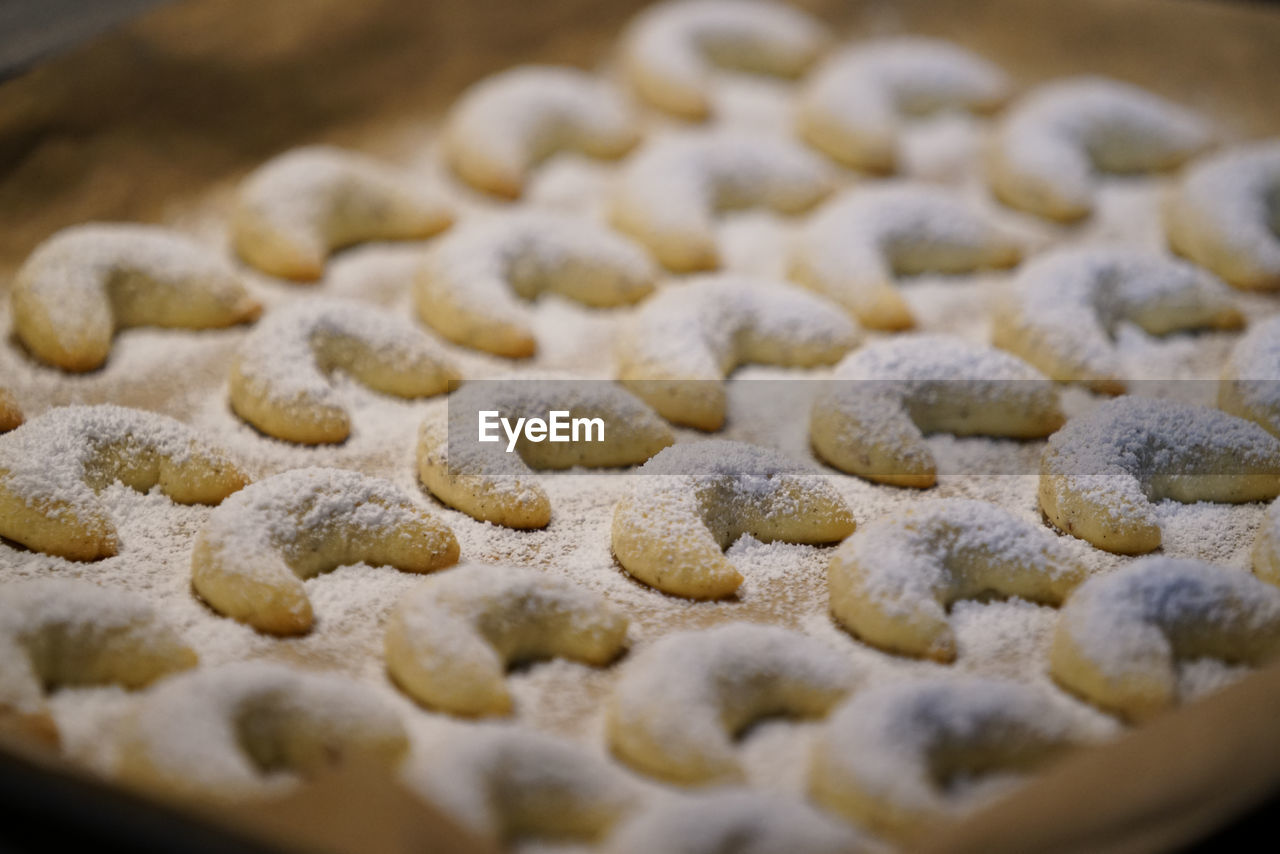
point(691, 538)
point(677, 704)
point(1045, 155)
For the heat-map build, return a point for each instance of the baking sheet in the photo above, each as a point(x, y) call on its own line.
point(178, 106)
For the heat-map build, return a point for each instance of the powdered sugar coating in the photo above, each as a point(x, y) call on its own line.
point(893, 582)
point(298, 207)
point(449, 641)
point(85, 282)
point(1225, 215)
point(1053, 142)
point(738, 820)
point(852, 106)
point(506, 124)
point(52, 467)
point(280, 382)
point(669, 193)
point(1066, 305)
point(1100, 473)
point(692, 500)
point(887, 756)
point(1121, 635)
point(475, 284)
point(1250, 383)
point(252, 729)
point(254, 551)
point(677, 349)
point(505, 783)
point(870, 420)
point(58, 632)
point(670, 49)
point(853, 248)
point(678, 704)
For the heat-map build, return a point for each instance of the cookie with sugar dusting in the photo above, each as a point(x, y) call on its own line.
point(892, 583)
point(253, 729)
point(1249, 385)
point(1121, 635)
point(52, 468)
point(496, 481)
point(670, 51)
point(279, 377)
point(476, 283)
point(1065, 306)
point(84, 283)
point(57, 632)
point(1224, 216)
point(693, 500)
point(741, 821)
point(872, 416)
point(505, 783)
point(678, 703)
point(502, 127)
point(885, 758)
point(853, 106)
point(669, 193)
point(296, 209)
point(1053, 143)
point(677, 350)
point(450, 640)
point(1266, 547)
point(10, 412)
point(1101, 472)
point(255, 550)
point(855, 246)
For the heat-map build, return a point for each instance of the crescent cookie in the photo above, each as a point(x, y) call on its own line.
point(853, 247)
point(10, 413)
point(488, 482)
point(678, 704)
point(668, 194)
point(503, 126)
point(253, 729)
point(1250, 381)
point(505, 783)
point(255, 550)
point(52, 467)
point(1266, 547)
point(893, 582)
point(681, 345)
point(450, 640)
point(296, 209)
point(871, 418)
point(279, 378)
point(1052, 144)
point(474, 287)
point(735, 821)
point(887, 758)
point(85, 282)
point(693, 500)
point(58, 632)
point(1224, 216)
point(670, 50)
point(1066, 305)
point(1121, 635)
point(852, 106)
point(1100, 473)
